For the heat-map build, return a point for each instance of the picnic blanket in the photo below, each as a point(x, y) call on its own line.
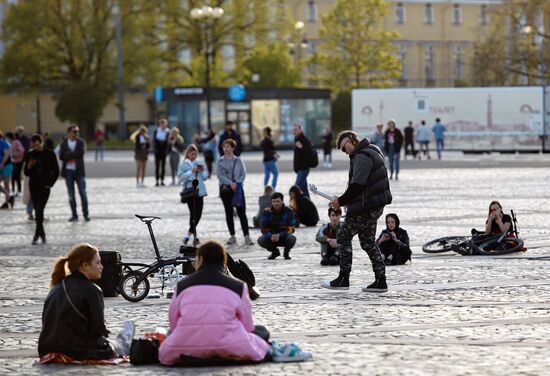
point(58, 358)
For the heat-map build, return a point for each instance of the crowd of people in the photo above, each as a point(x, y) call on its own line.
point(227, 329)
point(392, 140)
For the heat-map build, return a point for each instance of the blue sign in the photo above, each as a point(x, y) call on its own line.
point(158, 94)
point(236, 92)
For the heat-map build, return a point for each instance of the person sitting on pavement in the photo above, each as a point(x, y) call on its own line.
point(73, 316)
point(277, 225)
point(264, 201)
point(330, 251)
point(211, 315)
point(304, 208)
point(394, 242)
point(497, 222)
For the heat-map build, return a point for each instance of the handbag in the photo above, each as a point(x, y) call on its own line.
point(144, 351)
point(186, 195)
point(225, 189)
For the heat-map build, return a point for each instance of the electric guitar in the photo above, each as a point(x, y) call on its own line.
point(315, 191)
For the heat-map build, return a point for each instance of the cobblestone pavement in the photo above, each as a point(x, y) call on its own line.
point(444, 314)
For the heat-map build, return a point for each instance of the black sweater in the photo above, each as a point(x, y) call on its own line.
point(65, 331)
point(44, 171)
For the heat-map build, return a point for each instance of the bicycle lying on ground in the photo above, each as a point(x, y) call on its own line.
point(480, 244)
point(134, 285)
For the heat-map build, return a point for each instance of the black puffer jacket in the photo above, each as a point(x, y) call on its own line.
point(367, 168)
point(65, 331)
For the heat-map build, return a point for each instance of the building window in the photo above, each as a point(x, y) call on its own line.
point(428, 14)
point(456, 17)
point(429, 64)
point(402, 56)
point(399, 13)
point(311, 11)
point(457, 62)
point(483, 15)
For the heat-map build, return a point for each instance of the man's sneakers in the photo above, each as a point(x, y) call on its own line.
point(274, 255)
point(288, 352)
point(248, 241)
point(379, 285)
point(340, 283)
point(286, 254)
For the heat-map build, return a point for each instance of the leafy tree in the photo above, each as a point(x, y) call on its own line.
point(354, 50)
point(66, 46)
point(81, 103)
point(273, 65)
point(510, 49)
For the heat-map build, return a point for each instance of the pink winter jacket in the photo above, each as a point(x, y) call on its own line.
point(211, 315)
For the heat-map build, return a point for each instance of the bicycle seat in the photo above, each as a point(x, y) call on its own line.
point(147, 218)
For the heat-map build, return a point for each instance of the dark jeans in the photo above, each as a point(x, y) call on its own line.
point(301, 180)
point(160, 163)
point(439, 144)
point(409, 149)
point(39, 197)
point(265, 242)
point(70, 179)
point(16, 177)
point(241, 212)
point(195, 211)
point(174, 162)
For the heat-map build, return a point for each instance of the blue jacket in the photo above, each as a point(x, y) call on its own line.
point(282, 222)
point(186, 176)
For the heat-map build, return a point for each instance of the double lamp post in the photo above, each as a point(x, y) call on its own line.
point(205, 18)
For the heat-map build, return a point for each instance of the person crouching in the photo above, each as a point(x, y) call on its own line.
point(277, 224)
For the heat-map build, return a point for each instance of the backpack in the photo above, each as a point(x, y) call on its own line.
point(314, 158)
point(240, 270)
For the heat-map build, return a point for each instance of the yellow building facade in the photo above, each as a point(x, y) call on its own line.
point(37, 113)
point(436, 37)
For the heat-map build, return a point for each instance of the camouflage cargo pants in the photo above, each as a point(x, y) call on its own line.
point(364, 225)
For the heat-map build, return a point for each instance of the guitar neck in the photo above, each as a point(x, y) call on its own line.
point(325, 195)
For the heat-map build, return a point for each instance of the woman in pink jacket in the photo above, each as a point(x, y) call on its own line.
point(211, 315)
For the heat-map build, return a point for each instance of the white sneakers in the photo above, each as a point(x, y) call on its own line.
point(288, 352)
point(233, 240)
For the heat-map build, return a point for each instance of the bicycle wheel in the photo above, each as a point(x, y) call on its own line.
point(130, 290)
point(445, 244)
point(506, 245)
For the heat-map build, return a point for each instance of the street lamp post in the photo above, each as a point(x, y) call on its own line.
point(205, 16)
point(301, 42)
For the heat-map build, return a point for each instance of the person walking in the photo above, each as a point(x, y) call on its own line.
point(230, 134)
point(71, 154)
point(367, 193)
point(423, 139)
point(141, 141)
point(409, 140)
point(231, 174)
point(160, 144)
point(393, 140)
point(17, 152)
point(327, 147)
point(40, 165)
point(439, 132)
point(175, 147)
point(192, 168)
point(99, 139)
point(304, 155)
point(270, 158)
point(6, 170)
point(277, 224)
point(209, 149)
point(378, 137)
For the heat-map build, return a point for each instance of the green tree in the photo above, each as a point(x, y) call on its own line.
point(67, 46)
point(514, 48)
point(273, 65)
point(354, 50)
